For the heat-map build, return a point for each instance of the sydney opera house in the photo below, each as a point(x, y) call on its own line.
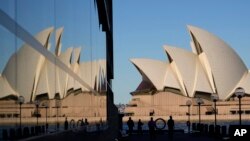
point(47, 82)
point(59, 62)
point(56, 61)
point(212, 67)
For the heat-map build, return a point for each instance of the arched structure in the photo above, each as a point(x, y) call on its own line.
point(212, 67)
point(30, 74)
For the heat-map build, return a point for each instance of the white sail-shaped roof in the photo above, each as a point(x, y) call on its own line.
point(23, 66)
point(63, 76)
point(170, 79)
point(76, 55)
point(192, 74)
point(102, 75)
point(77, 70)
point(211, 67)
point(201, 79)
point(59, 32)
point(43, 85)
point(227, 67)
point(46, 85)
point(187, 73)
point(153, 69)
point(75, 65)
point(30, 74)
point(87, 74)
point(5, 88)
point(244, 83)
point(49, 80)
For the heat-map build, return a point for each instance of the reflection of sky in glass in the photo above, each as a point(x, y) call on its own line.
point(78, 18)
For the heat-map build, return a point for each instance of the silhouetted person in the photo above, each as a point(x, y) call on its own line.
point(82, 123)
point(139, 126)
point(130, 124)
point(66, 124)
point(86, 122)
point(151, 127)
point(101, 123)
point(170, 127)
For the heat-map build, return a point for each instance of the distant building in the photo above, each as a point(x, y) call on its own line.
point(212, 67)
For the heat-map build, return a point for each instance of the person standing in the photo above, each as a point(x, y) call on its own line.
point(170, 127)
point(86, 121)
point(82, 123)
point(151, 127)
point(130, 124)
point(139, 126)
point(66, 124)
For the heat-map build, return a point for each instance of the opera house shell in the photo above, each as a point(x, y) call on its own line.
point(46, 81)
point(212, 67)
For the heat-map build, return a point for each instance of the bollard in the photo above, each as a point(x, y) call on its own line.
point(36, 130)
point(26, 132)
point(230, 130)
point(206, 128)
point(39, 129)
point(194, 126)
point(217, 130)
point(32, 131)
point(198, 127)
point(19, 133)
point(43, 129)
point(5, 134)
point(223, 131)
point(211, 129)
point(12, 134)
point(201, 128)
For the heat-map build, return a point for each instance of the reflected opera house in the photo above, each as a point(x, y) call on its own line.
point(57, 63)
point(46, 81)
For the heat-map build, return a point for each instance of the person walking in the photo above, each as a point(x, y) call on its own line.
point(151, 127)
point(170, 127)
point(139, 126)
point(130, 124)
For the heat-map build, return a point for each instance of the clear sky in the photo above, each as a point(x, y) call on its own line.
point(142, 27)
point(78, 18)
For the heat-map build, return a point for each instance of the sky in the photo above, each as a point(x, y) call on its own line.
point(142, 27)
point(79, 20)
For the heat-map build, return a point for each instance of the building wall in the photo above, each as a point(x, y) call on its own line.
point(84, 105)
point(169, 103)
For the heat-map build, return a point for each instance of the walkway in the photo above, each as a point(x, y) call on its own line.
point(176, 137)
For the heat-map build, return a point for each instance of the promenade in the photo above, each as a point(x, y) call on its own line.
point(176, 137)
point(105, 134)
point(70, 135)
point(91, 133)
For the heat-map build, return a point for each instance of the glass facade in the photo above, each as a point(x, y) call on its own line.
point(55, 50)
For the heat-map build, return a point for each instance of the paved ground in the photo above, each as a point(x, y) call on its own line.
point(79, 136)
point(71, 136)
point(176, 137)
